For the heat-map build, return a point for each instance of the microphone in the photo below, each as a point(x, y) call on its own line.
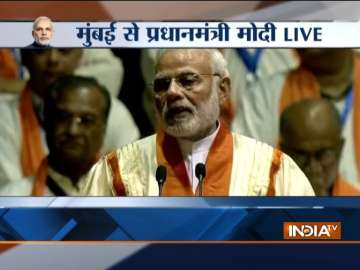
point(200, 173)
point(160, 177)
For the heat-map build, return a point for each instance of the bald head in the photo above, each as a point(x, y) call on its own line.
point(311, 118)
point(311, 135)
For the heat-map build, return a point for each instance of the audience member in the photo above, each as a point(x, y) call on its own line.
point(311, 135)
point(22, 136)
point(75, 116)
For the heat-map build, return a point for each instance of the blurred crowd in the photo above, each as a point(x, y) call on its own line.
point(62, 109)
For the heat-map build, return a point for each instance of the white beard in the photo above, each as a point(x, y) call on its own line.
point(196, 123)
point(42, 42)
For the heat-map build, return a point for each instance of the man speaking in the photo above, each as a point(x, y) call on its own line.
point(194, 153)
point(42, 32)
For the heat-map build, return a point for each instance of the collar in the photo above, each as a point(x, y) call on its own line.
point(202, 145)
point(219, 165)
point(65, 182)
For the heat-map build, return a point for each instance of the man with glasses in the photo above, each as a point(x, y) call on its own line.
point(22, 136)
point(311, 135)
point(190, 87)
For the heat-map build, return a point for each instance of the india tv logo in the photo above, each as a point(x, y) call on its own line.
point(312, 230)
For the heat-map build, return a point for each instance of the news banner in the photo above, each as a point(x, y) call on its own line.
point(158, 224)
point(118, 34)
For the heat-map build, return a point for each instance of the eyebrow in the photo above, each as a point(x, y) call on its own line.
point(184, 72)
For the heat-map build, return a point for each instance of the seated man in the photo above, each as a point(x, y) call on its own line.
point(190, 86)
point(76, 111)
point(311, 135)
point(22, 138)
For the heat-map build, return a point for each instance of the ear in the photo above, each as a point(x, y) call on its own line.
point(33, 33)
point(224, 90)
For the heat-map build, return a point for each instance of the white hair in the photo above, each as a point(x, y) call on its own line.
point(218, 62)
point(41, 18)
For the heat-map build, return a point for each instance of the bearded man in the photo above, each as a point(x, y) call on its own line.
point(190, 88)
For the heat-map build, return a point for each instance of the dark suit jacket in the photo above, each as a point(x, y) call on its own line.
point(35, 45)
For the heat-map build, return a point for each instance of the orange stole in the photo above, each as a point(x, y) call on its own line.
point(275, 166)
point(343, 188)
point(218, 165)
point(40, 179)
point(118, 185)
point(8, 66)
point(32, 149)
point(301, 84)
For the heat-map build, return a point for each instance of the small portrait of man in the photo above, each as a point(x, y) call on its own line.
point(42, 32)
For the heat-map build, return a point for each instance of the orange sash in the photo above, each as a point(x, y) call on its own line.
point(301, 84)
point(343, 188)
point(32, 150)
point(40, 179)
point(118, 184)
point(8, 66)
point(275, 166)
point(218, 165)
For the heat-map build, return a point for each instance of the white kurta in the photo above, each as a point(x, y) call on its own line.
point(250, 172)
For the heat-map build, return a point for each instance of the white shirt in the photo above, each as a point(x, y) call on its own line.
point(65, 183)
point(196, 152)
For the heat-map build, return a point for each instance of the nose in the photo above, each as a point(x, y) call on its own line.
point(174, 92)
point(74, 126)
point(314, 166)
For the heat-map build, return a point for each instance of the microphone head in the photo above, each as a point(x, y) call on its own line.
point(200, 170)
point(160, 174)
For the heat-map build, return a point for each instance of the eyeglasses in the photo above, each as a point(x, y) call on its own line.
point(186, 81)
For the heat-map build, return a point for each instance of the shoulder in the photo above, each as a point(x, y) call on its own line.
point(32, 45)
point(256, 157)
point(251, 145)
point(35, 45)
point(262, 152)
point(271, 167)
point(143, 146)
